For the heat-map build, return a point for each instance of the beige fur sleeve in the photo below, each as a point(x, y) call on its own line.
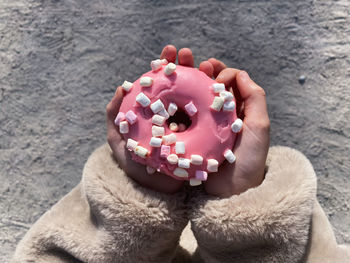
point(269, 223)
point(106, 218)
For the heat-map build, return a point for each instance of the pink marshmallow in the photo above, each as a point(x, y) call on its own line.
point(120, 117)
point(201, 175)
point(164, 151)
point(191, 109)
point(131, 117)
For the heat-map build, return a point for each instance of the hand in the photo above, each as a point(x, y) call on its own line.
point(157, 181)
point(252, 142)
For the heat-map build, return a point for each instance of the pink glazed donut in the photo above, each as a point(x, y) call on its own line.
point(178, 121)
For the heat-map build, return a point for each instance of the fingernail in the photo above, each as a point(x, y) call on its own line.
point(244, 75)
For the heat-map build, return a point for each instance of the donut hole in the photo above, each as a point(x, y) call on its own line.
point(181, 119)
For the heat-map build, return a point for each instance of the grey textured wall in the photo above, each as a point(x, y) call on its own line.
point(60, 62)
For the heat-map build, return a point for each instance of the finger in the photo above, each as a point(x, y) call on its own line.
point(254, 97)
point(207, 68)
point(112, 110)
point(228, 77)
point(217, 65)
point(169, 53)
point(186, 57)
point(113, 106)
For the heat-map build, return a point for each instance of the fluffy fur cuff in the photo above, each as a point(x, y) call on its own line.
point(269, 223)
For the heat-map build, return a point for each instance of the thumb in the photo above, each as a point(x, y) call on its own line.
point(254, 98)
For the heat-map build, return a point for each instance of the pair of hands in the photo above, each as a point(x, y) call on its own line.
point(250, 148)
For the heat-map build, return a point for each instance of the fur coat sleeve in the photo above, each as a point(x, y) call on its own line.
point(278, 221)
point(110, 218)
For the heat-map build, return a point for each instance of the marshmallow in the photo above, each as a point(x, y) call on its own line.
point(155, 142)
point(158, 120)
point(143, 99)
point(157, 131)
point(146, 81)
point(169, 139)
point(212, 165)
point(217, 103)
point(157, 106)
point(131, 144)
point(120, 117)
point(180, 172)
point(173, 126)
point(180, 147)
point(169, 69)
point(127, 86)
point(131, 117)
point(237, 125)
point(184, 163)
point(226, 95)
point(230, 157)
point(156, 64)
point(201, 175)
point(229, 106)
point(218, 87)
point(141, 151)
point(191, 109)
point(164, 61)
point(164, 151)
point(172, 158)
point(123, 127)
point(196, 159)
point(150, 170)
point(195, 182)
point(172, 108)
point(164, 113)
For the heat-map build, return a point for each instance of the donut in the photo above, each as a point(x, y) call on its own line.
point(178, 121)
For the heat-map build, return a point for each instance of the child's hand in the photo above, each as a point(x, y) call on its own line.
point(252, 143)
point(157, 181)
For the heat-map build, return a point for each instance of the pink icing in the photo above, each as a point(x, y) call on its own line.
point(210, 132)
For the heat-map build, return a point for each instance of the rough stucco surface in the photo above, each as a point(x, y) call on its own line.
point(60, 62)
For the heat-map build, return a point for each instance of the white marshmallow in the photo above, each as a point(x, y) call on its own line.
point(127, 86)
point(218, 87)
point(156, 64)
point(157, 131)
point(142, 99)
point(172, 158)
point(158, 120)
point(229, 106)
point(131, 144)
point(195, 182)
point(196, 159)
point(150, 170)
point(164, 113)
point(169, 139)
point(180, 172)
point(141, 151)
point(123, 127)
point(226, 95)
point(217, 103)
point(184, 163)
point(230, 157)
point(180, 147)
point(164, 61)
point(146, 81)
point(172, 108)
point(155, 142)
point(237, 125)
point(212, 165)
point(157, 106)
point(174, 127)
point(169, 69)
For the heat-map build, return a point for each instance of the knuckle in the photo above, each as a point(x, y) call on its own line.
point(260, 91)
